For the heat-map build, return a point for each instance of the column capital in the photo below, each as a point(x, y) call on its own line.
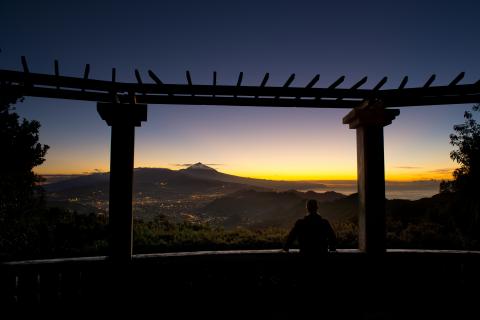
point(370, 116)
point(122, 113)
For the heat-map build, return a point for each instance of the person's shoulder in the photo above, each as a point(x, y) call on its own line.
point(300, 222)
point(325, 222)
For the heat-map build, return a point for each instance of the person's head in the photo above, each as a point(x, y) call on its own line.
point(312, 206)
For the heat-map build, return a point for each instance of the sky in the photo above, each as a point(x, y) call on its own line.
point(330, 38)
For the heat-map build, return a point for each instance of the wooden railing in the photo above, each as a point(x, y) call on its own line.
point(254, 278)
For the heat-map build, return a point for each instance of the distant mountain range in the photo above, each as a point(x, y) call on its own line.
point(177, 194)
point(160, 183)
point(201, 193)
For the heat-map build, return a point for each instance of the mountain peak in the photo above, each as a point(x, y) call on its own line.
point(200, 166)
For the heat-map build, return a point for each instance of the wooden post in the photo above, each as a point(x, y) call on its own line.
point(123, 118)
point(369, 123)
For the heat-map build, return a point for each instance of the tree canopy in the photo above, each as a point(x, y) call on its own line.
point(466, 179)
point(21, 152)
point(466, 142)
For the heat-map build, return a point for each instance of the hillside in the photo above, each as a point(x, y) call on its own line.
point(258, 209)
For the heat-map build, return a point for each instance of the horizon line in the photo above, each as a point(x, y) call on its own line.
point(290, 180)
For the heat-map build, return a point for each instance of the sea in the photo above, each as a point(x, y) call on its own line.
point(393, 190)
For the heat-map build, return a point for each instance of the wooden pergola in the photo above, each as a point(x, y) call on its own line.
point(124, 106)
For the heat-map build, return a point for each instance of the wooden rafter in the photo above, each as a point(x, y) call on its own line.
point(83, 88)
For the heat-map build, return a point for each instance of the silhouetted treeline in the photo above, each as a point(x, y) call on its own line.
point(51, 232)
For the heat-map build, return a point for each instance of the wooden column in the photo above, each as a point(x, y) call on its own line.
point(369, 123)
point(123, 118)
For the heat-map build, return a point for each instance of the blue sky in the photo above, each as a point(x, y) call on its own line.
point(351, 38)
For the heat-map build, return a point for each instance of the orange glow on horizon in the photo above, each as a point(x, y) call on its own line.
point(281, 174)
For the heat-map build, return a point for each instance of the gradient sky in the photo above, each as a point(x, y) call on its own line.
point(332, 38)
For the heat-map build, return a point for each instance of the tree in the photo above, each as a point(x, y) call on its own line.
point(466, 178)
point(21, 152)
point(466, 141)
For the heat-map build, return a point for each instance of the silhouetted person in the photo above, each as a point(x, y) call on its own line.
point(315, 234)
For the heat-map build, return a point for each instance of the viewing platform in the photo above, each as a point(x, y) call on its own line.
point(370, 283)
point(264, 282)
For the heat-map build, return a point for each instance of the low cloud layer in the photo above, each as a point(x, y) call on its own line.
point(191, 164)
point(442, 170)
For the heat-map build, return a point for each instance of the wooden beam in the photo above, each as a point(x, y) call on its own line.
point(25, 65)
point(403, 83)
point(86, 72)
point(337, 82)
point(189, 80)
point(26, 73)
point(138, 77)
point(455, 94)
point(100, 85)
point(313, 81)
point(214, 81)
point(287, 83)
point(429, 81)
point(155, 78)
point(239, 81)
point(245, 101)
point(115, 98)
point(264, 81)
point(139, 80)
point(431, 101)
point(240, 78)
point(57, 72)
point(394, 99)
point(357, 85)
point(289, 80)
point(380, 84)
point(457, 79)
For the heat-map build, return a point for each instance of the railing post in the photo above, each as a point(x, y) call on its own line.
point(369, 122)
point(123, 118)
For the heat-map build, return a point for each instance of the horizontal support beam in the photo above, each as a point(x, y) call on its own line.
point(430, 101)
point(234, 101)
point(107, 86)
point(183, 100)
point(55, 86)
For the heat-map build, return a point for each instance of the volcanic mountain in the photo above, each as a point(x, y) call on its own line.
point(199, 170)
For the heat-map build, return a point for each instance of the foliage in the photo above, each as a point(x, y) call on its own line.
point(465, 185)
point(163, 236)
point(21, 152)
point(51, 233)
point(466, 141)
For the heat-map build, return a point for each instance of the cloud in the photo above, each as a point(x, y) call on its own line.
point(408, 167)
point(191, 164)
point(442, 170)
point(181, 164)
